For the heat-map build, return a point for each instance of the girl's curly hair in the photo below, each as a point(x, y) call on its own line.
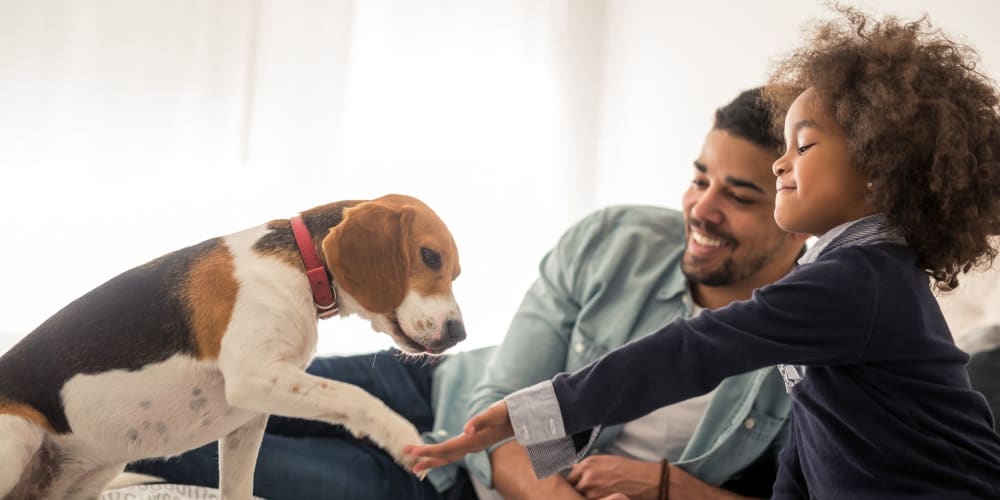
point(922, 124)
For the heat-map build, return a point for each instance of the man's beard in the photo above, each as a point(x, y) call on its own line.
point(725, 274)
point(718, 276)
point(730, 271)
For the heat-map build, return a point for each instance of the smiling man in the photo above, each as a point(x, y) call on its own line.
point(622, 273)
point(733, 242)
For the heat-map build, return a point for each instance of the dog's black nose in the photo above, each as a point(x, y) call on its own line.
point(454, 331)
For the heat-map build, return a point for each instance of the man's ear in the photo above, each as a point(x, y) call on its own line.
point(368, 254)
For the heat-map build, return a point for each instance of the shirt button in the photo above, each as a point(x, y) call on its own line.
point(578, 347)
point(749, 423)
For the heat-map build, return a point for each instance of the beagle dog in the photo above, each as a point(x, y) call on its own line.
point(202, 344)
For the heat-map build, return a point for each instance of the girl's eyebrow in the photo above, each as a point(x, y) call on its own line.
point(807, 123)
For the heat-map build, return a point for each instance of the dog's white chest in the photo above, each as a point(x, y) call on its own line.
point(164, 409)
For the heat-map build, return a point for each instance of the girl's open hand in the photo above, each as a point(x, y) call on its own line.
point(489, 427)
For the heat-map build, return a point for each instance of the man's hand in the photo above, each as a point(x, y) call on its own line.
point(598, 476)
point(489, 427)
point(514, 478)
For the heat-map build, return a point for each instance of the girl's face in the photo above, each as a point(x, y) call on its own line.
point(818, 187)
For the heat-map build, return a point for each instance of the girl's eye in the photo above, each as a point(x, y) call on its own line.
point(802, 149)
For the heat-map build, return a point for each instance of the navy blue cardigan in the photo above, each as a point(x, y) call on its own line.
point(883, 408)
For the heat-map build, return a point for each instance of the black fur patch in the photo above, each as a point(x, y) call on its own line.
point(136, 318)
point(318, 220)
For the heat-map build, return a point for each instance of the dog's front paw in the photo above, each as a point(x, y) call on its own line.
point(393, 432)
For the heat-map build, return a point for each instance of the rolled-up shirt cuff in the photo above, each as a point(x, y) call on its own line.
point(538, 426)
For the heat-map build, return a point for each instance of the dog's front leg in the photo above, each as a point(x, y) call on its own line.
point(284, 389)
point(238, 457)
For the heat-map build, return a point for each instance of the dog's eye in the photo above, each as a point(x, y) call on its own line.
point(431, 258)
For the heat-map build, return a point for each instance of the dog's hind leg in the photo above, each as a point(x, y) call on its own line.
point(19, 441)
point(238, 458)
point(91, 485)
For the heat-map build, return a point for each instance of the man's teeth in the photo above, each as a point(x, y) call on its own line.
point(705, 241)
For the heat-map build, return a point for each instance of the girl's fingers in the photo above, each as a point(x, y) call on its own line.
point(452, 447)
point(490, 426)
point(425, 464)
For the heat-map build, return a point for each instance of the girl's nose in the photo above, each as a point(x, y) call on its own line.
point(779, 167)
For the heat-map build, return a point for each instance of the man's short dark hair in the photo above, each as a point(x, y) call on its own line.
point(748, 117)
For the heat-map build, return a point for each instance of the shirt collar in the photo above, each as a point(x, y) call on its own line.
point(676, 284)
point(869, 230)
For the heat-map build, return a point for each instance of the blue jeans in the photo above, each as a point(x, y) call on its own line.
point(301, 459)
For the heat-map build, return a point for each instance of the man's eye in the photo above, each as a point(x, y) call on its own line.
point(743, 201)
point(700, 183)
point(431, 258)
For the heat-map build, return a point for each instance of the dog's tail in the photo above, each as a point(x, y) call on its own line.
point(19, 441)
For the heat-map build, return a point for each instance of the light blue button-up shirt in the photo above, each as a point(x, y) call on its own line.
point(612, 278)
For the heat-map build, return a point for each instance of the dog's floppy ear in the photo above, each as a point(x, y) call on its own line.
point(368, 254)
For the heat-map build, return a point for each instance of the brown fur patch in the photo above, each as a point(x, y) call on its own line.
point(28, 413)
point(211, 295)
point(374, 254)
point(428, 231)
point(365, 256)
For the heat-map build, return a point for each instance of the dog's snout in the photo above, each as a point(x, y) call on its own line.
point(454, 331)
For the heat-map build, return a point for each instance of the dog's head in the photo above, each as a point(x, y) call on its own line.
point(393, 261)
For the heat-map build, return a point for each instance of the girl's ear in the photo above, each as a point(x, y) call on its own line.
point(368, 255)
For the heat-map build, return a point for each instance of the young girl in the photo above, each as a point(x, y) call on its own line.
point(893, 160)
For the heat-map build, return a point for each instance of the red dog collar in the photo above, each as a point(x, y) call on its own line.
point(324, 296)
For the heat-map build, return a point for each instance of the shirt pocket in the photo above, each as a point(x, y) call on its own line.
point(583, 349)
point(759, 426)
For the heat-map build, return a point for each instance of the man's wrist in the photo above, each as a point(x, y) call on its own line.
point(684, 486)
point(663, 492)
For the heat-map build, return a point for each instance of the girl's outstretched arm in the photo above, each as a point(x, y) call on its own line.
point(485, 429)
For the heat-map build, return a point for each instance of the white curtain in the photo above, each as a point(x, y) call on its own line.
point(129, 128)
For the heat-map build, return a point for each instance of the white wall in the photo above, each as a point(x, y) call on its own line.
point(668, 65)
point(131, 128)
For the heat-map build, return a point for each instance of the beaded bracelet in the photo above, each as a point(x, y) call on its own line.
point(664, 493)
